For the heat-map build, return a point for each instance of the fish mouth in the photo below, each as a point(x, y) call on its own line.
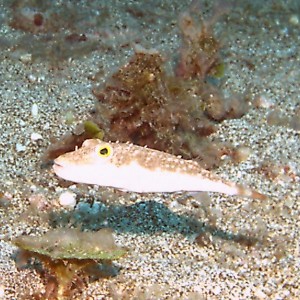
point(57, 167)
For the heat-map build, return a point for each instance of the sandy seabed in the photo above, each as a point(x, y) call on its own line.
point(177, 249)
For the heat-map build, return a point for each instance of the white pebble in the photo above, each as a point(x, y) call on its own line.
point(20, 147)
point(2, 291)
point(35, 136)
point(31, 78)
point(46, 126)
point(34, 110)
point(259, 294)
point(67, 199)
point(21, 122)
point(41, 78)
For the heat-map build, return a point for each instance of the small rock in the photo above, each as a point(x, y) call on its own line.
point(31, 78)
point(35, 137)
point(67, 199)
point(34, 110)
point(20, 147)
point(241, 154)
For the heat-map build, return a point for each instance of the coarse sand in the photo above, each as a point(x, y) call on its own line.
point(208, 247)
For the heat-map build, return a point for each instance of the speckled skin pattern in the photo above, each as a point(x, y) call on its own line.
point(122, 155)
point(125, 153)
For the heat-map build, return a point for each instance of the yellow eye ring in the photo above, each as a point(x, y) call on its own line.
point(104, 151)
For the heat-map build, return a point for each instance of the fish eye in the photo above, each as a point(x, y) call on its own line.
point(104, 151)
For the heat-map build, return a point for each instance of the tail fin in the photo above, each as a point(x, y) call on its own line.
point(231, 188)
point(242, 191)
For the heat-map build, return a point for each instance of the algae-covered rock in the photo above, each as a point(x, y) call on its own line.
point(70, 255)
point(67, 243)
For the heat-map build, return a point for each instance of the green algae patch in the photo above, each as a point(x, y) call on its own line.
point(69, 255)
point(70, 141)
point(93, 130)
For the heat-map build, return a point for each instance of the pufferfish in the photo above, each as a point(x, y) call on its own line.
point(139, 169)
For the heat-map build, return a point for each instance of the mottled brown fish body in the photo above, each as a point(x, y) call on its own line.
point(138, 169)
